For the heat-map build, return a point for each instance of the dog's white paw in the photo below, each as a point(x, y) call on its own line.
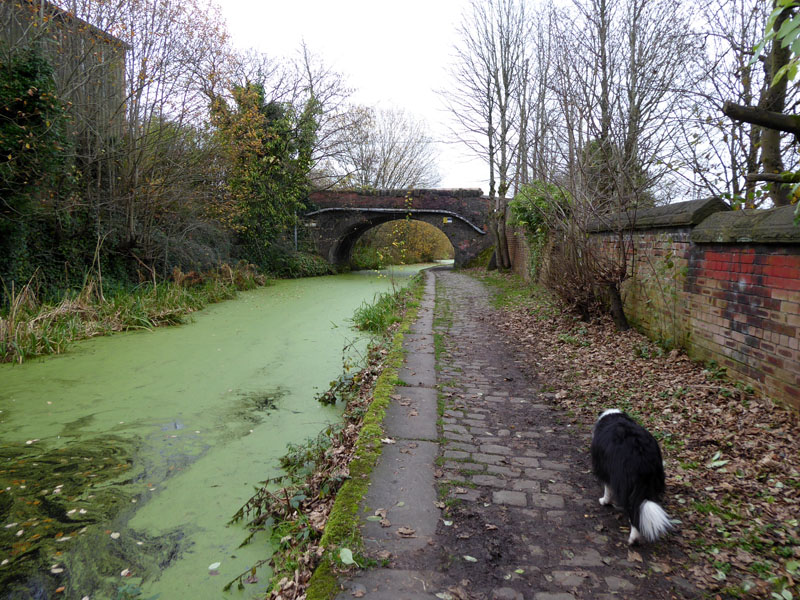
point(634, 537)
point(604, 501)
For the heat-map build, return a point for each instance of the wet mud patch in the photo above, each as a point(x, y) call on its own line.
point(482, 533)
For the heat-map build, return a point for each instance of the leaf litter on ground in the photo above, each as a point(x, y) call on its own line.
point(732, 457)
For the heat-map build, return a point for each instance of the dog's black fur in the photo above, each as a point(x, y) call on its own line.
point(627, 460)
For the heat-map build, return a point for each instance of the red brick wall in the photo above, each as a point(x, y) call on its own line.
point(654, 295)
point(745, 313)
point(519, 252)
point(735, 303)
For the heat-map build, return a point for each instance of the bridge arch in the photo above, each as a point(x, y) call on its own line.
point(339, 218)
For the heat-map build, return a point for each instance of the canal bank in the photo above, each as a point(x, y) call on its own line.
point(154, 439)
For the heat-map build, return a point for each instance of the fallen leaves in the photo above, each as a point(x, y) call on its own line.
point(346, 556)
point(732, 458)
point(406, 532)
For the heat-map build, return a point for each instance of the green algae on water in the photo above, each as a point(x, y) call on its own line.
point(52, 497)
point(207, 410)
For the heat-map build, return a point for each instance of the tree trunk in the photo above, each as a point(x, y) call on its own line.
point(504, 236)
point(774, 100)
point(617, 312)
point(500, 243)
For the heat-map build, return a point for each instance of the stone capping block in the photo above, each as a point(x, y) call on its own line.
point(680, 214)
point(756, 226)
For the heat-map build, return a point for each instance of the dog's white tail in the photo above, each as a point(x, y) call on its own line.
point(653, 521)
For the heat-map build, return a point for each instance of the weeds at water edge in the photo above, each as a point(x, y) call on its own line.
point(30, 327)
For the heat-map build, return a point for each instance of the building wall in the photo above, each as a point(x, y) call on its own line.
point(88, 63)
point(725, 286)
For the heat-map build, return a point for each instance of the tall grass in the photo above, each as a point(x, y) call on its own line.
point(385, 310)
point(30, 328)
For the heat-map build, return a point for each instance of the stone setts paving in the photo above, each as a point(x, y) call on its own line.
point(520, 517)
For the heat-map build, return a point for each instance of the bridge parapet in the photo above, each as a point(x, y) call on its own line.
point(469, 203)
point(342, 216)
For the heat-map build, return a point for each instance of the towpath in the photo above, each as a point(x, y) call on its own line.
point(490, 495)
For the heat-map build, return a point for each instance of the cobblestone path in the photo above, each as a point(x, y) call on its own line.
point(519, 515)
point(527, 506)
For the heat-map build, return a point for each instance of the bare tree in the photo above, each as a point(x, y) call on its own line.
point(616, 77)
point(489, 104)
point(719, 153)
point(538, 153)
point(389, 149)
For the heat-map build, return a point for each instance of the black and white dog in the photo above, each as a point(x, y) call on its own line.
point(627, 461)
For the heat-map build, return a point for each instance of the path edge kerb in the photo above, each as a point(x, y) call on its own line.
point(343, 523)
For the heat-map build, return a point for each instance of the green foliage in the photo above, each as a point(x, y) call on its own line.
point(269, 146)
point(400, 242)
point(363, 257)
point(283, 262)
point(788, 35)
point(342, 389)
point(535, 207)
point(32, 130)
point(34, 171)
point(381, 314)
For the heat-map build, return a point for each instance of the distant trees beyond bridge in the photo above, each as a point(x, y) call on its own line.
point(339, 218)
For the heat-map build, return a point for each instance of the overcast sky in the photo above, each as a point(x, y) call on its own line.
point(392, 54)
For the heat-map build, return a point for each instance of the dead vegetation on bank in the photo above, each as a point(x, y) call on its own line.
point(732, 457)
point(30, 327)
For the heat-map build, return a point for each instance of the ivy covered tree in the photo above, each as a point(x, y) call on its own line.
point(269, 152)
point(33, 141)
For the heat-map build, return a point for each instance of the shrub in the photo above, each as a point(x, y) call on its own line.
point(535, 208)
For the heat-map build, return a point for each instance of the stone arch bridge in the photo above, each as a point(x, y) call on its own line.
point(339, 218)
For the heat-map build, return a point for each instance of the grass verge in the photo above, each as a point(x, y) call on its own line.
point(381, 314)
point(30, 328)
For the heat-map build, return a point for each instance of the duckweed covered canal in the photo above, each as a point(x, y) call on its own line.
point(122, 461)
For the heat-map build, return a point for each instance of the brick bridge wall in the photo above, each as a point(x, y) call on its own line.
point(340, 217)
point(469, 203)
point(724, 285)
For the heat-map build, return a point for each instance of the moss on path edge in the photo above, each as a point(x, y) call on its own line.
point(342, 529)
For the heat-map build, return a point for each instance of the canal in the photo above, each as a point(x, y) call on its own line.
point(122, 461)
